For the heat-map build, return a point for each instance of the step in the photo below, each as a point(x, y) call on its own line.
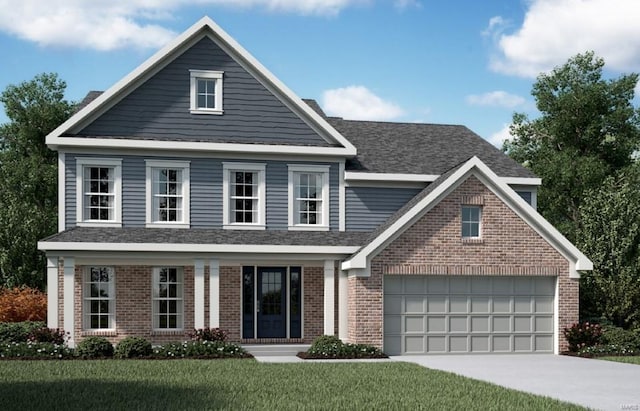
point(275, 350)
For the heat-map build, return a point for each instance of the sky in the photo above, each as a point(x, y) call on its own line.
point(470, 62)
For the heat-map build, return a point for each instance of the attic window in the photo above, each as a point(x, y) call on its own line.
point(206, 92)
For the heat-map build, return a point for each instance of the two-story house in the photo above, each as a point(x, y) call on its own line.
point(199, 191)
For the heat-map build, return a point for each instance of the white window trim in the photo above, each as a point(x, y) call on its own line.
point(156, 275)
point(206, 74)
point(227, 168)
point(302, 168)
point(479, 236)
point(116, 164)
point(185, 166)
point(112, 291)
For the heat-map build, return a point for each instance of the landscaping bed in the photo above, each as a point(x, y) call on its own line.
point(329, 347)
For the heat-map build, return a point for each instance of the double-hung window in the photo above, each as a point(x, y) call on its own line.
point(99, 298)
point(206, 92)
point(243, 196)
point(168, 293)
point(308, 197)
point(99, 192)
point(471, 221)
point(167, 193)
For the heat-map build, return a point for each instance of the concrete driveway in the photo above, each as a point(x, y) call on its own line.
point(597, 384)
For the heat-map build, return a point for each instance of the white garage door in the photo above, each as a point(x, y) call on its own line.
point(475, 314)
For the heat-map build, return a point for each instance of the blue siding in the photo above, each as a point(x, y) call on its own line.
point(206, 191)
point(159, 108)
point(368, 207)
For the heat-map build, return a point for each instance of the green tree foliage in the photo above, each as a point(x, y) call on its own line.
point(587, 130)
point(610, 236)
point(28, 176)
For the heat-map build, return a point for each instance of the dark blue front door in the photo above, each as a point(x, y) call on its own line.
point(272, 310)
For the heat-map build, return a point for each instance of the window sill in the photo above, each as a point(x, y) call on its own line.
point(472, 240)
point(204, 111)
point(168, 332)
point(100, 333)
point(244, 227)
point(99, 224)
point(308, 228)
point(167, 225)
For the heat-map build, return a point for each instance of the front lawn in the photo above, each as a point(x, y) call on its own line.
point(626, 359)
point(247, 384)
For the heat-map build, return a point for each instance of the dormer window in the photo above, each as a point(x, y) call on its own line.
point(206, 92)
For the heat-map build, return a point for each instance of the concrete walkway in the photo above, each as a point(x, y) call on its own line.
point(596, 384)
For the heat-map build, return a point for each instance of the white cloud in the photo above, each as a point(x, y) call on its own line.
point(113, 24)
point(499, 137)
point(554, 30)
point(358, 103)
point(496, 24)
point(495, 98)
point(405, 4)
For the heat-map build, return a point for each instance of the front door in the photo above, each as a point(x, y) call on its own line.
point(271, 304)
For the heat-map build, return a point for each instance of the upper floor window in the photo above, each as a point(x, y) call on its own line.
point(243, 195)
point(99, 191)
point(99, 298)
point(167, 193)
point(471, 219)
point(206, 92)
point(308, 197)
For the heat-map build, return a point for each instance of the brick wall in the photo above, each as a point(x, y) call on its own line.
point(313, 292)
point(433, 245)
point(230, 297)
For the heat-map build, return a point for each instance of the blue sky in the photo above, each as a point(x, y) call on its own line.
point(457, 62)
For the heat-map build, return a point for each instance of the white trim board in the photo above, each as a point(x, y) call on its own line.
point(476, 167)
point(205, 27)
point(355, 176)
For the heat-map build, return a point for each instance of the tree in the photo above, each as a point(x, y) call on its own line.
point(610, 236)
point(588, 129)
point(28, 176)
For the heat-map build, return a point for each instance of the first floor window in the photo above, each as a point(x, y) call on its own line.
point(99, 298)
point(471, 216)
point(168, 289)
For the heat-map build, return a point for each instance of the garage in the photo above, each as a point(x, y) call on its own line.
point(468, 314)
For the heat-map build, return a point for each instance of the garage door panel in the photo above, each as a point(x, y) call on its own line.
point(468, 314)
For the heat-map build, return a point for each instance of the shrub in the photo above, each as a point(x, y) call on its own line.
point(44, 334)
point(132, 347)
point(612, 335)
point(209, 334)
point(200, 349)
point(94, 347)
point(329, 346)
point(608, 349)
point(581, 335)
point(18, 332)
point(34, 350)
point(22, 304)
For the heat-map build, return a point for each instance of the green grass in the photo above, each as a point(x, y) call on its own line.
point(628, 359)
point(247, 384)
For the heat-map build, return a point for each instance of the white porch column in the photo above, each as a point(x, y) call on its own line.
point(329, 296)
point(68, 309)
point(198, 294)
point(214, 293)
point(343, 306)
point(52, 292)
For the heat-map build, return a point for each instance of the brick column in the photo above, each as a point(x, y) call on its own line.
point(68, 287)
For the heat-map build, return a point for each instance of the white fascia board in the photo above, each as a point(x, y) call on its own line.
point(522, 209)
point(195, 248)
point(427, 178)
point(150, 64)
point(54, 142)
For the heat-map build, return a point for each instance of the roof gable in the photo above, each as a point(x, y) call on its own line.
point(307, 121)
point(439, 189)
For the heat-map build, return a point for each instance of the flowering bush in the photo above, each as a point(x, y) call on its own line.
point(581, 335)
point(18, 332)
point(608, 349)
point(34, 350)
point(22, 304)
point(330, 346)
point(200, 349)
point(209, 334)
point(52, 335)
